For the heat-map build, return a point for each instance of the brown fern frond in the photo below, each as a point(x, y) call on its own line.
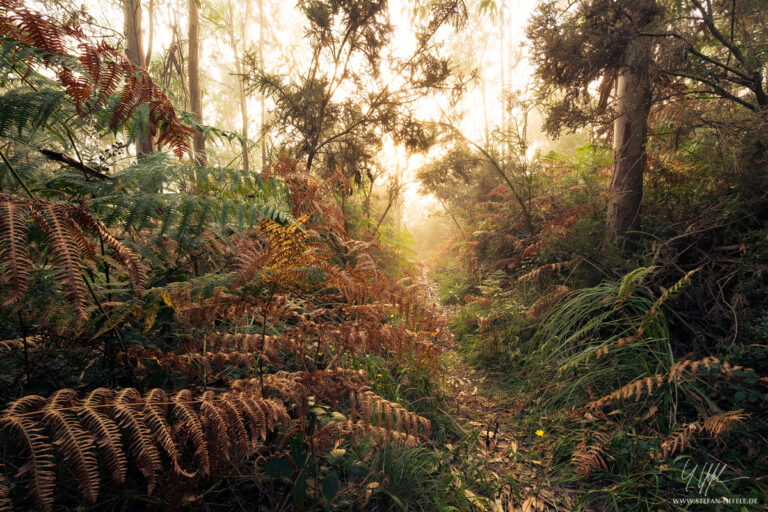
point(102, 70)
point(18, 343)
point(120, 252)
point(40, 461)
point(69, 246)
point(198, 428)
point(684, 370)
point(73, 442)
point(381, 412)
point(5, 500)
point(105, 431)
point(13, 250)
point(547, 301)
point(678, 440)
point(65, 255)
point(552, 267)
point(716, 426)
point(215, 422)
point(128, 414)
point(155, 410)
point(590, 456)
point(721, 425)
point(183, 410)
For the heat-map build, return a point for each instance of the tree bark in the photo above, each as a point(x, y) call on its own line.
point(148, 57)
point(240, 86)
point(135, 52)
point(501, 70)
point(630, 133)
point(195, 94)
point(263, 127)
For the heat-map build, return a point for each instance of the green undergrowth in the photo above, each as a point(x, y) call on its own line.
point(677, 427)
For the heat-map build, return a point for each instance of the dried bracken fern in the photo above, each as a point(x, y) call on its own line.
point(100, 72)
point(589, 455)
point(30, 342)
point(545, 269)
point(5, 500)
point(77, 430)
point(14, 250)
point(548, 301)
point(63, 226)
point(680, 371)
point(716, 426)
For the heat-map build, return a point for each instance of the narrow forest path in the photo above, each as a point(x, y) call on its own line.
point(506, 456)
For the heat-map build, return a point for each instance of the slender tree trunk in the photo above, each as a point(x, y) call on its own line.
point(501, 69)
point(485, 115)
point(630, 133)
point(135, 52)
point(262, 109)
point(148, 57)
point(240, 86)
point(195, 94)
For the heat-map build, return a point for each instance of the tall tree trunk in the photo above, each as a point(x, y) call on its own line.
point(239, 71)
point(487, 131)
point(501, 69)
point(135, 52)
point(195, 95)
point(148, 57)
point(630, 133)
point(263, 126)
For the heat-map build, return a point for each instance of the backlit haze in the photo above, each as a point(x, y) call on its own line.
point(477, 46)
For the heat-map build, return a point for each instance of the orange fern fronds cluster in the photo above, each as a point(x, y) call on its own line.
point(548, 301)
point(549, 268)
point(716, 426)
point(680, 371)
point(193, 364)
point(102, 71)
point(63, 226)
point(589, 455)
point(116, 426)
point(309, 197)
point(19, 343)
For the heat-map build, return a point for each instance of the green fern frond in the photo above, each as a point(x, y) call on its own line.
point(24, 109)
point(630, 280)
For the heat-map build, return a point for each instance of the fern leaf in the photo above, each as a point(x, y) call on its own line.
point(73, 442)
point(64, 254)
point(40, 461)
point(105, 431)
point(120, 252)
point(13, 250)
point(632, 278)
point(5, 499)
point(130, 417)
point(183, 410)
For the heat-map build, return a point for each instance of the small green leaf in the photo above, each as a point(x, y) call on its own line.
point(278, 467)
point(300, 490)
point(330, 485)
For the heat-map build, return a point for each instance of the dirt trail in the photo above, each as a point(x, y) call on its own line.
point(477, 405)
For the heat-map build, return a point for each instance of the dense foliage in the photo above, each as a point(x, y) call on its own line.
point(229, 329)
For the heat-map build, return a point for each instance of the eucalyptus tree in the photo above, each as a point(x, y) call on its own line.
point(710, 48)
point(134, 50)
point(195, 93)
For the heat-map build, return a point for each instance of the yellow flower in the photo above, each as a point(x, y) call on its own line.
point(540, 433)
point(392, 315)
point(378, 375)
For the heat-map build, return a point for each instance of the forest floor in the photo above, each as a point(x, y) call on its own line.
point(507, 457)
point(504, 452)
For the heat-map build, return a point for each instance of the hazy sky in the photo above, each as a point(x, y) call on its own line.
point(476, 46)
